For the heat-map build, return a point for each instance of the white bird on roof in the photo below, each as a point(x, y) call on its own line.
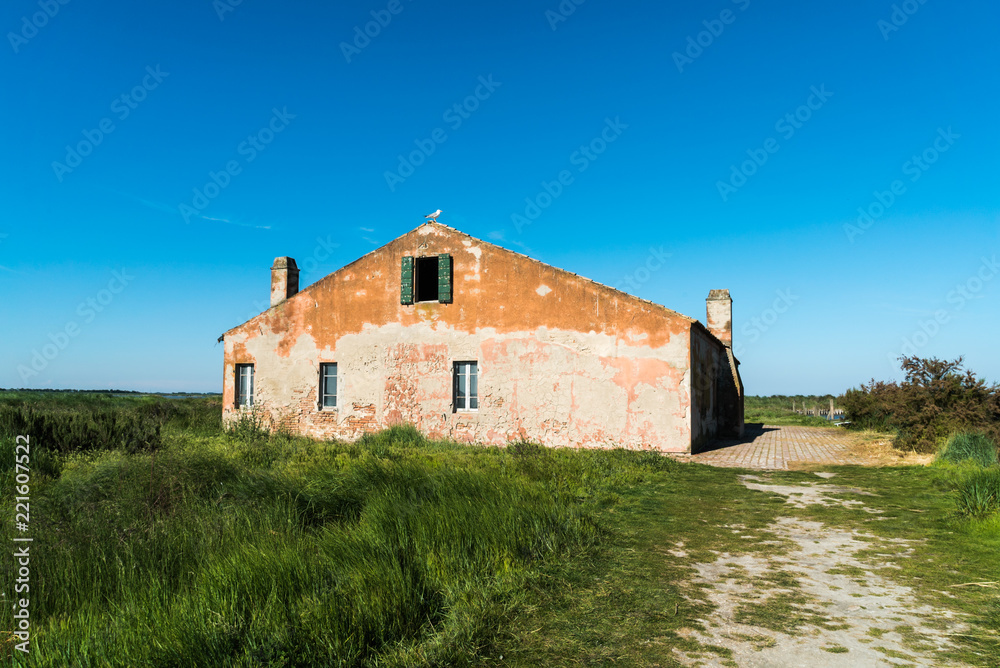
point(434, 216)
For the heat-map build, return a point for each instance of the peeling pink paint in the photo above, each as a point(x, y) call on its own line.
point(575, 364)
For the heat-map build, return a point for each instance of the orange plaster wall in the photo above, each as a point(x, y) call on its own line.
point(562, 359)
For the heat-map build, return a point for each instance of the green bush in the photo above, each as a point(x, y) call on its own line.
point(249, 426)
point(979, 493)
point(976, 447)
point(936, 399)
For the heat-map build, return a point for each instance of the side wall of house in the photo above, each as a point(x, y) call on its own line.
point(716, 390)
point(561, 359)
point(704, 388)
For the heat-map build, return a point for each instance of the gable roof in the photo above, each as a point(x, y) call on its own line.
point(311, 286)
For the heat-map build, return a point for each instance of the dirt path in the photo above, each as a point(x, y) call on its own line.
point(819, 601)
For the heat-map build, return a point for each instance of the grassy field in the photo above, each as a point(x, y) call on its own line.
point(777, 410)
point(240, 549)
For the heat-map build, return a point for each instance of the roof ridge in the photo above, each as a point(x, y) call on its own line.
point(565, 271)
point(489, 243)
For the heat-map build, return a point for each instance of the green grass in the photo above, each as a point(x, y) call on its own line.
point(238, 550)
point(978, 493)
point(964, 446)
point(777, 410)
point(785, 418)
point(246, 549)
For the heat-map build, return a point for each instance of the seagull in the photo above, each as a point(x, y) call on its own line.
point(433, 216)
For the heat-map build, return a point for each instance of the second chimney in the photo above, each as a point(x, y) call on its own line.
point(284, 279)
point(720, 315)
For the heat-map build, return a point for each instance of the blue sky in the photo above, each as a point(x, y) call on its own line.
point(725, 144)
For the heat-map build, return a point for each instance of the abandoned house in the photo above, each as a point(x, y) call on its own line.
point(469, 341)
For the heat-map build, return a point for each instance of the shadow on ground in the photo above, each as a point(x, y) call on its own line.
point(751, 431)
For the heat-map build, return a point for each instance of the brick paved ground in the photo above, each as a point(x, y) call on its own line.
point(771, 447)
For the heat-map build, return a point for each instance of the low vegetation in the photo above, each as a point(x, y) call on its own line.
point(975, 447)
point(979, 493)
point(241, 547)
point(783, 410)
point(936, 399)
point(248, 548)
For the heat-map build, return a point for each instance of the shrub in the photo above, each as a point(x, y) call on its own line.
point(249, 426)
point(979, 493)
point(524, 449)
point(961, 446)
point(935, 399)
point(79, 429)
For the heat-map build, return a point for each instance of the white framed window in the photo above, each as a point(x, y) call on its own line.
point(244, 385)
point(328, 385)
point(466, 386)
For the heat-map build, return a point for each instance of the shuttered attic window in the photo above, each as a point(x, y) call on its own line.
point(426, 279)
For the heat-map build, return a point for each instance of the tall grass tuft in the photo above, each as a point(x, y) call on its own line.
point(979, 493)
point(963, 446)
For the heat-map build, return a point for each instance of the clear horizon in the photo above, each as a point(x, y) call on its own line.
point(832, 166)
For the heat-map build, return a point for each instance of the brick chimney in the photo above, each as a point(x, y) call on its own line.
point(720, 315)
point(284, 279)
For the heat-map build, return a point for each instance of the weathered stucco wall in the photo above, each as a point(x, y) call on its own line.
point(561, 359)
point(717, 391)
point(704, 388)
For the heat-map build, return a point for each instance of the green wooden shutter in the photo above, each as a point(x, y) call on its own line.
point(444, 278)
point(406, 282)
